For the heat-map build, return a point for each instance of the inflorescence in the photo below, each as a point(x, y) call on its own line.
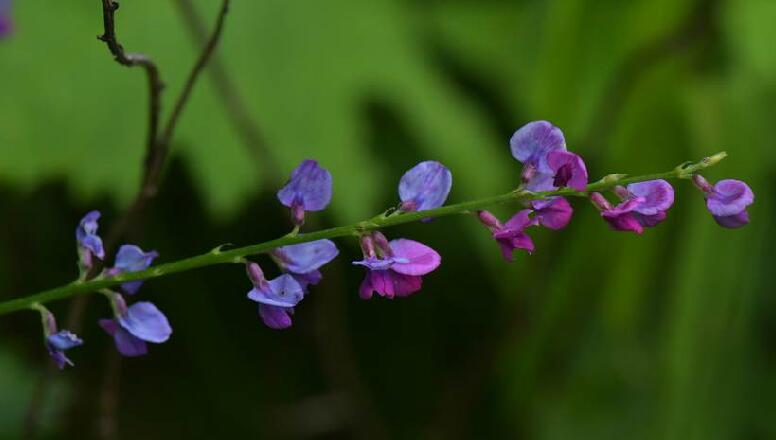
point(395, 268)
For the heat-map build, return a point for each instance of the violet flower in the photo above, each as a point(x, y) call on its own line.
point(727, 201)
point(511, 235)
point(277, 298)
point(425, 186)
point(568, 170)
point(303, 260)
point(57, 342)
point(531, 144)
point(309, 189)
point(131, 258)
point(643, 205)
point(553, 212)
point(396, 268)
point(136, 325)
point(89, 243)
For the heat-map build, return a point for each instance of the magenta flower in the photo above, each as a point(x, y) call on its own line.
point(309, 189)
point(303, 260)
point(511, 235)
point(425, 186)
point(89, 243)
point(57, 342)
point(135, 325)
point(727, 201)
point(568, 170)
point(277, 298)
point(643, 205)
point(131, 258)
point(553, 212)
point(396, 268)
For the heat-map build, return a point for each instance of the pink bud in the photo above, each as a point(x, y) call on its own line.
point(297, 214)
point(488, 219)
point(381, 243)
point(701, 183)
point(367, 246)
point(600, 202)
point(255, 274)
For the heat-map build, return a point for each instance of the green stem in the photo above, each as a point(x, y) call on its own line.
point(219, 256)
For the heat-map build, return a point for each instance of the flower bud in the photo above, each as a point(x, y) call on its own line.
point(600, 202)
point(701, 183)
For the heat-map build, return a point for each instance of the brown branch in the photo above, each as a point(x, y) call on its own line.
point(155, 84)
point(228, 92)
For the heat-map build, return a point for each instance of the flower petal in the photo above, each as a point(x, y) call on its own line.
point(283, 291)
point(623, 221)
point(733, 221)
point(275, 317)
point(519, 221)
point(420, 259)
point(306, 257)
point(132, 287)
point(532, 142)
point(568, 170)
point(658, 196)
point(425, 186)
point(131, 258)
point(729, 197)
point(145, 321)
point(309, 185)
point(405, 285)
point(553, 213)
point(128, 344)
point(64, 340)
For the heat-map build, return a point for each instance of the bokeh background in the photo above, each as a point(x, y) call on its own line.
point(598, 335)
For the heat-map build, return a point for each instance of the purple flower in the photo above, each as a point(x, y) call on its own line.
point(553, 212)
point(395, 268)
point(277, 298)
point(309, 189)
point(5, 18)
point(568, 170)
point(134, 326)
point(533, 142)
point(89, 243)
point(727, 201)
point(541, 148)
point(303, 260)
point(58, 343)
point(643, 205)
point(511, 235)
point(131, 258)
point(425, 186)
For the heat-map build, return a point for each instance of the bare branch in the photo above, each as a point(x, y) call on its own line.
point(155, 84)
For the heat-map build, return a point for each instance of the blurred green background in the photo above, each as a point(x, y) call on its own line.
point(598, 335)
